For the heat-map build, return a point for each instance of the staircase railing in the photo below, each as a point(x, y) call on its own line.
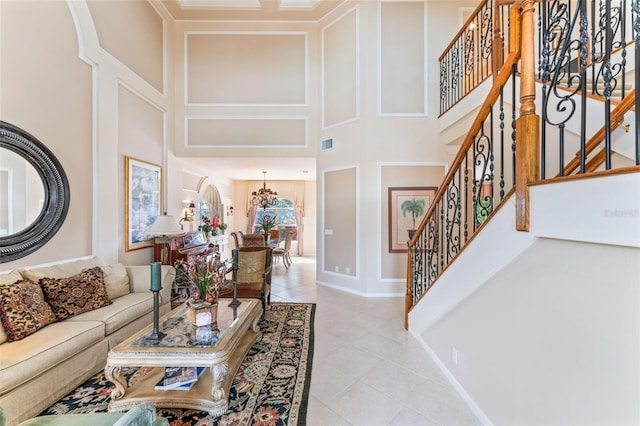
point(594, 161)
point(475, 52)
point(502, 153)
point(479, 180)
point(582, 45)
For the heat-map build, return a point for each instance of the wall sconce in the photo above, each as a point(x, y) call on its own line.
point(230, 211)
point(188, 216)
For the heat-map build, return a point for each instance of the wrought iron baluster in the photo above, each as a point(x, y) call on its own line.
point(609, 84)
point(635, 7)
point(501, 143)
point(583, 86)
point(513, 126)
point(623, 41)
point(466, 196)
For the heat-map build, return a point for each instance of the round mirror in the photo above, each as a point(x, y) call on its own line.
point(34, 190)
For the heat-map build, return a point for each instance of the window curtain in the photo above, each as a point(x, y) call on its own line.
point(299, 212)
point(251, 217)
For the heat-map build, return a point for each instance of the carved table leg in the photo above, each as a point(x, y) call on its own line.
point(254, 324)
point(219, 372)
point(116, 376)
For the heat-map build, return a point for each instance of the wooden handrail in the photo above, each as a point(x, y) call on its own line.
point(483, 113)
point(503, 76)
point(617, 118)
point(463, 29)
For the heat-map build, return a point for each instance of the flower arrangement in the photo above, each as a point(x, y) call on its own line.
point(212, 225)
point(269, 222)
point(204, 273)
point(206, 226)
point(215, 224)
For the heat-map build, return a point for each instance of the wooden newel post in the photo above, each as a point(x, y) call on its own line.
point(528, 124)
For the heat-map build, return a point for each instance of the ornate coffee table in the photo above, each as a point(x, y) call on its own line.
point(221, 350)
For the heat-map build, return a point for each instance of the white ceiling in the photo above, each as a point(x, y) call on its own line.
point(252, 168)
point(253, 10)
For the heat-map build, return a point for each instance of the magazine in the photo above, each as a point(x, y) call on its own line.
point(179, 378)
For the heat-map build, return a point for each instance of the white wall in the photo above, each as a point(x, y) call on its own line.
point(545, 325)
point(554, 338)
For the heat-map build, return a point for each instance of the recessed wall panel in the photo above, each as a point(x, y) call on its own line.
point(132, 32)
point(340, 221)
point(140, 127)
point(402, 50)
point(246, 69)
point(247, 132)
point(339, 70)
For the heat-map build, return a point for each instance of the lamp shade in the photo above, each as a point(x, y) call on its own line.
point(164, 225)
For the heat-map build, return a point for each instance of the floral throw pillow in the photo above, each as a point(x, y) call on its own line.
point(74, 295)
point(23, 309)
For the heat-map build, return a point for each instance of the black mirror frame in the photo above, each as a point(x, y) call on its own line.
point(56, 194)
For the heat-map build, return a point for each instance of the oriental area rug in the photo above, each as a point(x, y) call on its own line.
point(271, 386)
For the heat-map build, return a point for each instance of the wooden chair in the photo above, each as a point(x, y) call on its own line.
point(274, 234)
point(252, 240)
point(252, 277)
point(237, 238)
point(283, 252)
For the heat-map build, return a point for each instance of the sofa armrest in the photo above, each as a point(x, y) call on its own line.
point(140, 280)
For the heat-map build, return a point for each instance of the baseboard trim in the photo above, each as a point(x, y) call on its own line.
point(456, 385)
point(359, 293)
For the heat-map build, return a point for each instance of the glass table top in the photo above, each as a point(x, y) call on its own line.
point(179, 332)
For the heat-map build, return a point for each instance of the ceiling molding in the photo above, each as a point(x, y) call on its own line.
point(220, 3)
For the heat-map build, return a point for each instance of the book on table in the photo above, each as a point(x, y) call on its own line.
point(179, 378)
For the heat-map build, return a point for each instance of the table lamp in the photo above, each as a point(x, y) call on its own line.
point(163, 226)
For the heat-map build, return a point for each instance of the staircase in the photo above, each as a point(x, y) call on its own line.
point(523, 280)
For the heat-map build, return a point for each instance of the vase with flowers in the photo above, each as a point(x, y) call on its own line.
point(269, 222)
point(206, 226)
point(205, 274)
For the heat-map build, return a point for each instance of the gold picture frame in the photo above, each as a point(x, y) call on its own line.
point(399, 223)
point(143, 192)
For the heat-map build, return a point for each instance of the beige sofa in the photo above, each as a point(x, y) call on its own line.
point(38, 370)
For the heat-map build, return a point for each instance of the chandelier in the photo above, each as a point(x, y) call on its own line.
point(264, 197)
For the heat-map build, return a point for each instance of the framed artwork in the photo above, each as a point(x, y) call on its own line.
point(142, 188)
point(407, 207)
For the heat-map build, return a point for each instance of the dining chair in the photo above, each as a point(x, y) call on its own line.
point(274, 234)
point(237, 238)
point(252, 276)
point(250, 240)
point(283, 252)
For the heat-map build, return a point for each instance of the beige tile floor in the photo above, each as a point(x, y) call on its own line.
point(367, 370)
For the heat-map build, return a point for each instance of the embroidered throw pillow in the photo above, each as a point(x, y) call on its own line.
point(74, 295)
point(23, 309)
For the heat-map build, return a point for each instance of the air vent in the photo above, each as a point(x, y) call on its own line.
point(327, 144)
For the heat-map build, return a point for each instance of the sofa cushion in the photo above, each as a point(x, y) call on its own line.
point(116, 279)
point(11, 277)
point(23, 310)
point(5, 279)
point(122, 311)
point(21, 361)
point(60, 270)
point(76, 294)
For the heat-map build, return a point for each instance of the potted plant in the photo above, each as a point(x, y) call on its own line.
point(268, 222)
point(415, 207)
point(206, 226)
point(222, 227)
